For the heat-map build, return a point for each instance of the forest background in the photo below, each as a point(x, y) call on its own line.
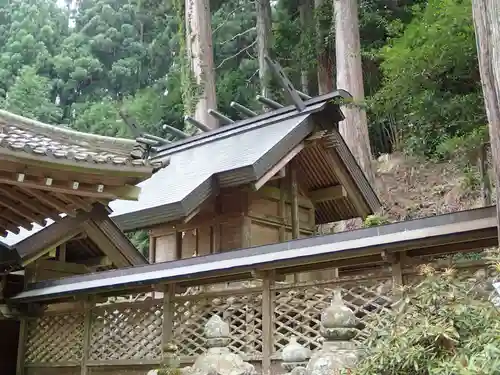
point(78, 63)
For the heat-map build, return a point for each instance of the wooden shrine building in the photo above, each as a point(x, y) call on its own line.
point(55, 184)
point(266, 179)
point(232, 222)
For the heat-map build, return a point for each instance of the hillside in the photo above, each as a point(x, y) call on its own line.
point(411, 189)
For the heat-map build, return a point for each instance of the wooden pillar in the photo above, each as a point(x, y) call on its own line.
point(168, 314)
point(152, 249)
point(21, 346)
point(294, 200)
point(87, 326)
point(267, 321)
point(282, 210)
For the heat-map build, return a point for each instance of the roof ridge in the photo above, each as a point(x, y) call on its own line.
point(35, 125)
point(268, 117)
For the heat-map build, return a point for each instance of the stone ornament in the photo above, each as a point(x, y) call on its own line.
point(218, 360)
point(338, 327)
point(295, 357)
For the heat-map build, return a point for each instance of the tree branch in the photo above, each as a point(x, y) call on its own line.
point(239, 34)
point(230, 14)
point(236, 54)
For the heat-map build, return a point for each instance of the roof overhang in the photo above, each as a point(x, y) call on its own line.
point(460, 231)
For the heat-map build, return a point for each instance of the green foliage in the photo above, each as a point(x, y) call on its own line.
point(30, 96)
point(419, 60)
point(443, 325)
point(374, 221)
point(140, 239)
point(464, 147)
point(431, 85)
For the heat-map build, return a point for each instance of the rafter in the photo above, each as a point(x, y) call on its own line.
point(28, 202)
point(22, 211)
point(51, 201)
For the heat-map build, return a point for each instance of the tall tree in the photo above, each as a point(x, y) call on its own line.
point(323, 11)
point(264, 34)
point(201, 59)
point(354, 128)
point(306, 23)
point(486, 15)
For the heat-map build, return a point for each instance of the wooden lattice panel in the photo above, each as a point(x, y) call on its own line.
point(125, 331)
point(298, 309)
point(243, 313)
point(55, 338)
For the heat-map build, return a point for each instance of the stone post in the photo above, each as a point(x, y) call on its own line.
point(294, 358)
point(338, 327)
point(218, 360)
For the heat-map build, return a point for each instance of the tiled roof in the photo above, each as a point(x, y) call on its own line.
point(22, 135)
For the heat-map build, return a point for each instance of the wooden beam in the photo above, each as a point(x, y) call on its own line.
point(193, 213)
point(125, 192)
point(100, 217)
point(54, 235)
point(105, 244)
point(95, 262)
point(75, 201)
point(62, 267)
point(328, 194)
point(278, 166)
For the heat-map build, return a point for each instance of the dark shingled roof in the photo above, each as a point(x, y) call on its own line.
point(243, 152)
point(21, 137)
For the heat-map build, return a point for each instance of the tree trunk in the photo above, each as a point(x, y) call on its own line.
point(306, 22)
point(264, 34)
point(486, 15)
point(201, 59)
point(325, 63)
point(354, 128)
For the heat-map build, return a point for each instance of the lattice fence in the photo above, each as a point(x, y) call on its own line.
point(125, 331)
point(298, 309)
point(242, 312)
point(55, 338)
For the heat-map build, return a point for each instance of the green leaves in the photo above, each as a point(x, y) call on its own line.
point(440, 326)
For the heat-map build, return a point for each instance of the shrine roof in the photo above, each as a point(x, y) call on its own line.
point(242, 153)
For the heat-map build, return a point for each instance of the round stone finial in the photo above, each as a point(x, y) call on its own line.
point(216, 328)
point(338, 328)
point(338, 322)
point(216, 332)
point(294, 352)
